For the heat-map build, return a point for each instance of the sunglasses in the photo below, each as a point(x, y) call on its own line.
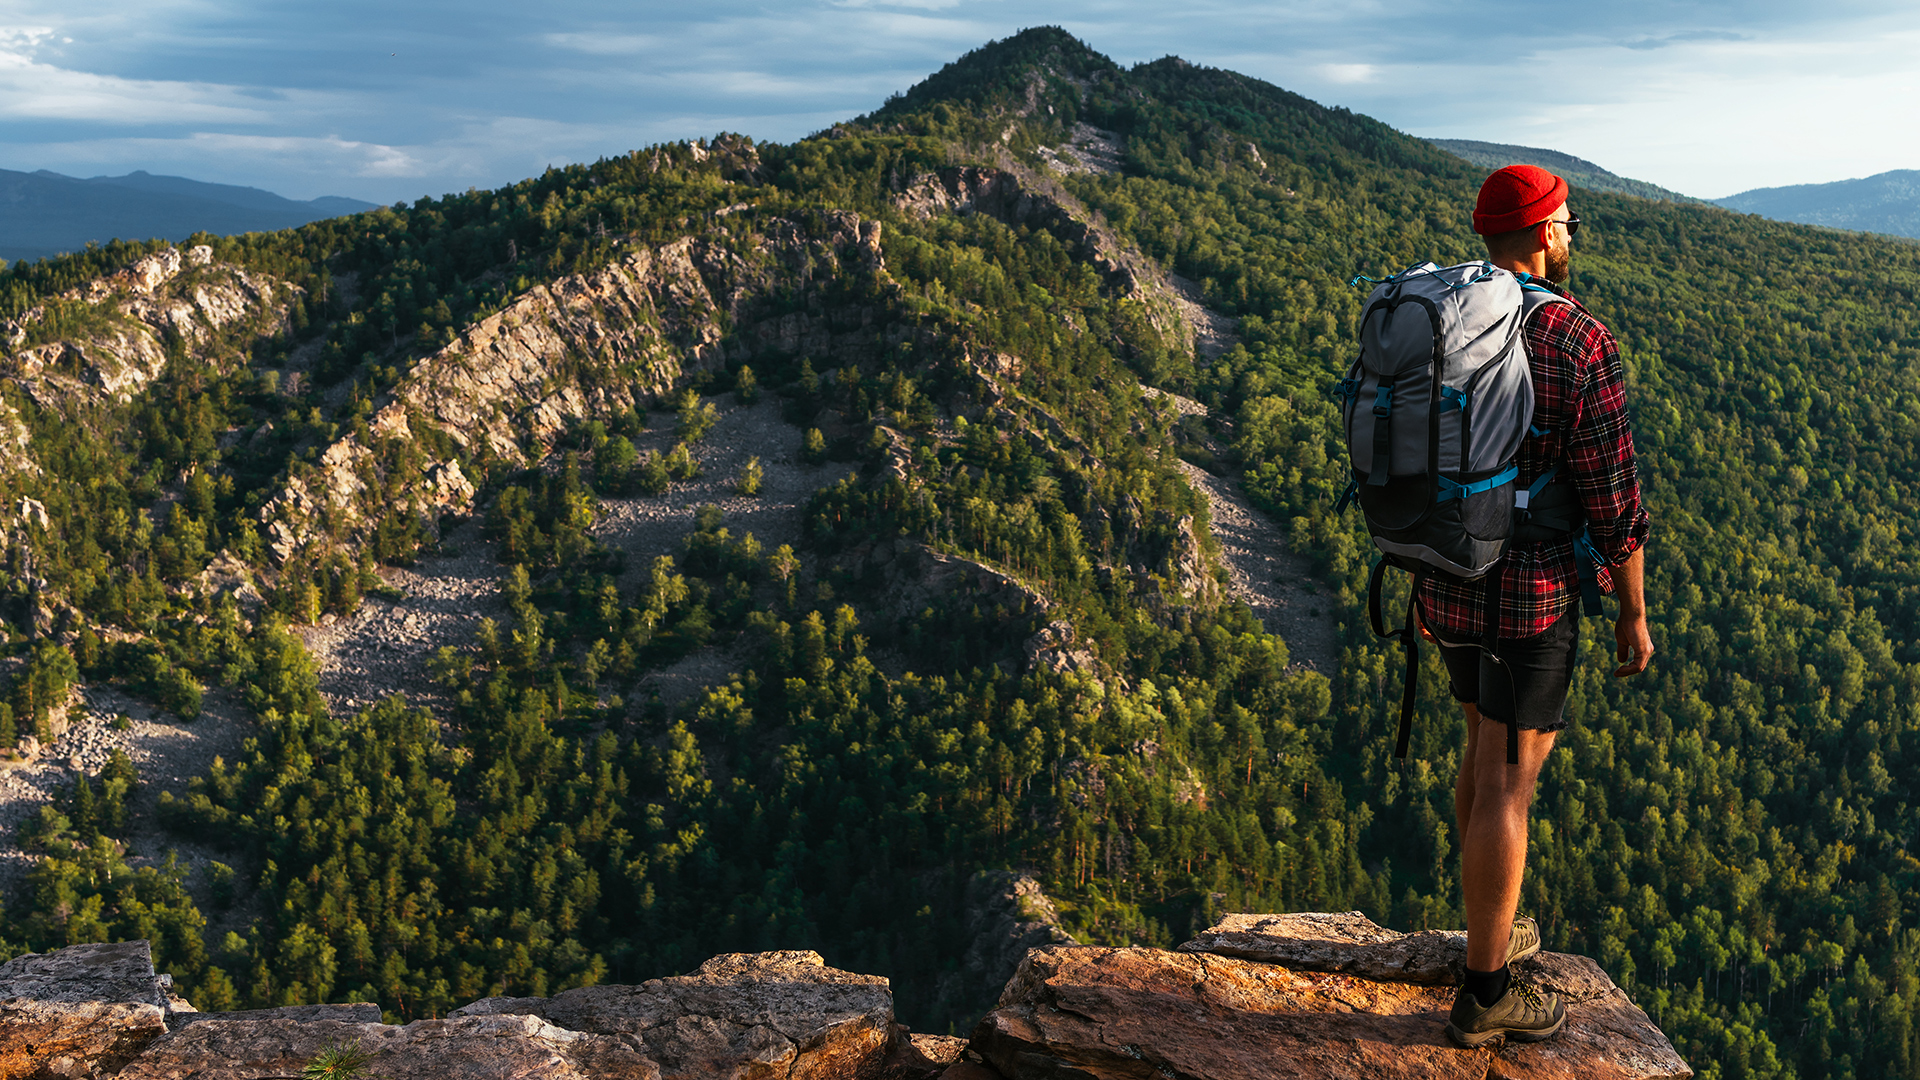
point(1572, 223)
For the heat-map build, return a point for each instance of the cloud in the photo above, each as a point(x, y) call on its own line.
point(31, 89)
point(1348, 74)
point(604, 44)
point(1684, 37)
point(1701, 95)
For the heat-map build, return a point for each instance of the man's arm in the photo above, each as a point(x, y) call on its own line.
point(1634, 645)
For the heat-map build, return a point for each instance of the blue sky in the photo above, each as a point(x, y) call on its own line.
point(387, 101)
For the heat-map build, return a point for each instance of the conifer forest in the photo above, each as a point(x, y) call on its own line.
point(1729, 835)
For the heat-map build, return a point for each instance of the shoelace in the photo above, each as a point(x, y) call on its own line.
point(1529, 995)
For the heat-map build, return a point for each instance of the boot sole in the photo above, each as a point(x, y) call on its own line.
point(1472, 1040)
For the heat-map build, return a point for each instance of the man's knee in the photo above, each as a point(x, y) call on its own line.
point(1493, 774)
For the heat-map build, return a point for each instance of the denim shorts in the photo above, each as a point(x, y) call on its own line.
point(1530, 686)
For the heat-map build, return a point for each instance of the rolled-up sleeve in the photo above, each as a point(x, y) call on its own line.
point(1600, 450)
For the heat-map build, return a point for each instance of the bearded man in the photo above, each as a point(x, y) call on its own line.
point(1580, 430)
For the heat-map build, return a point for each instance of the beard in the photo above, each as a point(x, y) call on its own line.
point(1559, 263)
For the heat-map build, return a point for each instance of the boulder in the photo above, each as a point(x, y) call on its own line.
point(81, 1011)
point(777, 1014)
point(1301, 997)
point(1607, 1036)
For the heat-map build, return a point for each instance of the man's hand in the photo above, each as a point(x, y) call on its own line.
point(1633, 645)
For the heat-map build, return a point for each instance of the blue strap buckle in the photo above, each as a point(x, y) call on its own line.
point(1347, 389)
point(1453, 489)
point(1524, 498)
point(1383, 401)
point(1453, 399)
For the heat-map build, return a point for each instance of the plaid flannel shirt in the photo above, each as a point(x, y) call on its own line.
point(1580, 402)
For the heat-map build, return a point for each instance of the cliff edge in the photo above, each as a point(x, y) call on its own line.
point(1300, 996)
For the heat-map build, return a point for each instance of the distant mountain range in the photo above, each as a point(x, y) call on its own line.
point(44, 213)
point(1578, 171)
point(1888, 202)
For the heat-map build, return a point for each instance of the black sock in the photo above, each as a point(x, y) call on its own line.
point(1488, 987)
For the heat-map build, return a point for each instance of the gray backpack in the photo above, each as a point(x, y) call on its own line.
point(1436, 408)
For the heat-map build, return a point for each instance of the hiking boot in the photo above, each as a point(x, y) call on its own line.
point(1522, 1014)
point(1525, 939)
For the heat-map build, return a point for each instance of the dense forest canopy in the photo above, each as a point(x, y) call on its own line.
point(1729, 835)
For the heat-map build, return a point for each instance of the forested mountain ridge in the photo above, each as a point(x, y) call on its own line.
point(1578, 172)
point(1729, 835)
point(1887, 202)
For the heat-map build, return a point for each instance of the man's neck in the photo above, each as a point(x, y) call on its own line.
point(1535, 264)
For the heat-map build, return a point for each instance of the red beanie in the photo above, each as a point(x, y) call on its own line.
point(1516, 197)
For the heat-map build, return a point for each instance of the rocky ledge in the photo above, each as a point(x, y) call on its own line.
point(1299, 996)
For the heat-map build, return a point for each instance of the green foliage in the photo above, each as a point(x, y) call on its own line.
point(696, 418)
point(340, 1061)
point(751, 477)
point(1730, 836)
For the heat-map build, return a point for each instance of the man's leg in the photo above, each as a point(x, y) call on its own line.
point(1491, 799)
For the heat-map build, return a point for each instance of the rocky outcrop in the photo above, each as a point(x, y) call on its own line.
point(82, 1011)
point(1330, 996)
point(1301, 996)
point(124, 321)
point(99, 1011)
point(1016, 195)
point(584, 347)
point(1008, 916)
point(780, 1014)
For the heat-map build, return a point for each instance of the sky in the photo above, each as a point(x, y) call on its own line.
point(394, 100)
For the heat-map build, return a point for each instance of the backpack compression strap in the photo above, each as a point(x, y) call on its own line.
point(1409, 636)
point(1382, 433)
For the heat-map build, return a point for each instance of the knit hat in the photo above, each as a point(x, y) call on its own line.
point(1516, 197)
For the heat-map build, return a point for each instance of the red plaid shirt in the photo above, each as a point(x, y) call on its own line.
point(1580, 401)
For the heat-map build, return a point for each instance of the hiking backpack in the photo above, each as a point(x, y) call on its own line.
point(1436, 407)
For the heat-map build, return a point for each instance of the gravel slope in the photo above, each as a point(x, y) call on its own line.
point(1276, 583)
point(383, 648)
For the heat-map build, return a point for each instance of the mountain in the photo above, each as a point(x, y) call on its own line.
point(728, 546)
point(44, 213)
point(1887, 202)
point(1578, 171)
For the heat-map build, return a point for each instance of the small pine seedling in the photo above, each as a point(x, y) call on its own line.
point(340, 1061)
point(751, 477)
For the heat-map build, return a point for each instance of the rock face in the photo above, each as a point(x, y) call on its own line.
point(82, 1011)
point(780, 1014)
point(184, 295)
point(1008, 915)
point(766, 1016)
point(1329, 996)
point(584, 347)
point(1301, 996)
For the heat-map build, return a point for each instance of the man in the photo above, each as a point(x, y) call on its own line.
point(1580, 414)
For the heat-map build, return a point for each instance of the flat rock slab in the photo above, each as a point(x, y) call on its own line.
point(1095, 1013)
point(1346, 942)
point(468, 1048)
point(772, 1015)
point(359, 1012)
point(78, 1011)
point(1606, 1034)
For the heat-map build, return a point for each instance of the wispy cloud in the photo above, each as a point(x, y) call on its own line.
point(1348, 74)
point(1684, 37)
point(369, 98)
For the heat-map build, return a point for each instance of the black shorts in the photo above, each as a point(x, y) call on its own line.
point(1531, 685)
